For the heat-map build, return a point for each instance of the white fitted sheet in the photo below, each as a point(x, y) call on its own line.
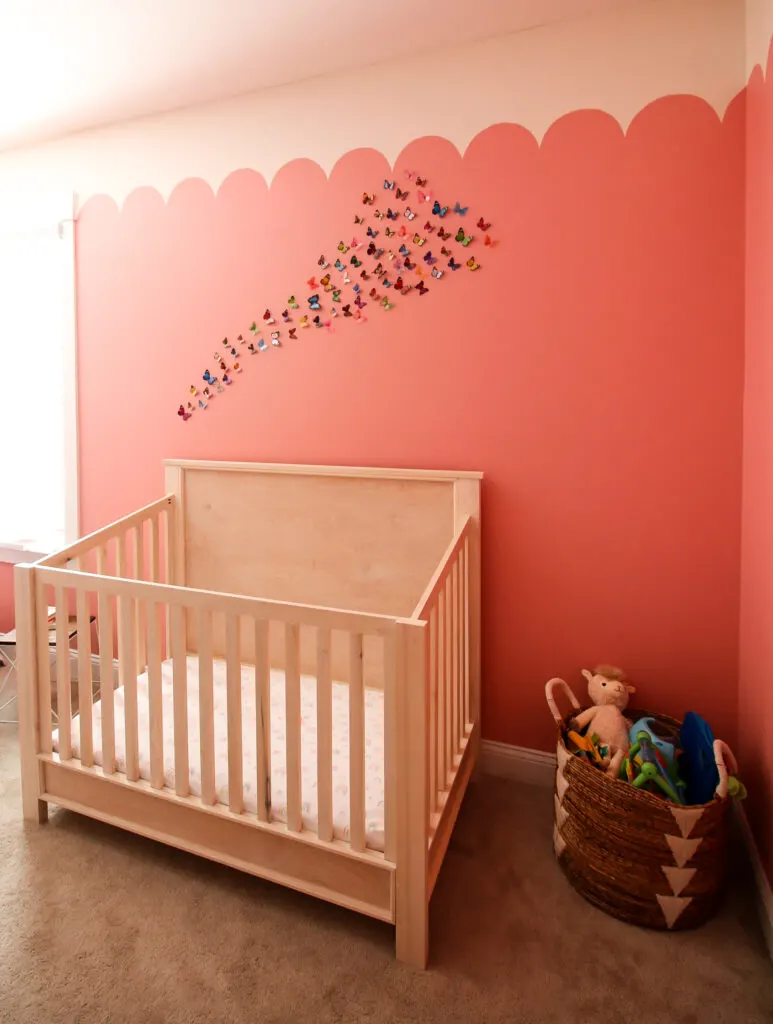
point(374, 744)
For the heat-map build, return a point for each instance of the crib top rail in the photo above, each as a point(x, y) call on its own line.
point(367, 623)
point(59, 559)
point(427, 599)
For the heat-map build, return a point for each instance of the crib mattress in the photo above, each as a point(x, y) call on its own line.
point(374, 744)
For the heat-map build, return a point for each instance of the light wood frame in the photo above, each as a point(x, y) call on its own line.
point(139, 591)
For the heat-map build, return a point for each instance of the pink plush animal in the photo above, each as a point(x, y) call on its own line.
point(609, 693)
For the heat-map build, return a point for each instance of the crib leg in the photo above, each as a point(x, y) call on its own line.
point(35, 812)
point(412, 934)
point(33, 808)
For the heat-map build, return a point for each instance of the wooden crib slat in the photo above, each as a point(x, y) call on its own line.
point(63, 692)
point(356, 744)
point(106, 672)
point(263, 718)
point(454, 588)
point(440, 619)
point(182, 785)
point(391, 740)
point(84, 678)
point(324, 737)
point(432, 724)
point(139, 573)
point(466, 632)
point(120, 555)
point(155, 704)
point(293, 724)
point(44, 669)
point(233, 668)
point(155, 560)
point(127, 678)
point(448, 701)
point(206, 705)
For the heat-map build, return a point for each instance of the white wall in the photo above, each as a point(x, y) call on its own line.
point(617, 62)
point(759, 29)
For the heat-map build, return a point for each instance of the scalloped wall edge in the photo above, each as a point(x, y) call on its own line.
point(564, 123)
point(618, 62)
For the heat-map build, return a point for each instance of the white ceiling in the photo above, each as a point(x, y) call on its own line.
point(67, 65)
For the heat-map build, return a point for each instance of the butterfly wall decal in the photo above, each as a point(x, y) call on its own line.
point(410, 215)
point(438, 210)
point(401, 193)
point(421, 182)
point(314, 302)
point(389, 184)
point(268, 318)
point(429, 258)
point(285, 316)
point(340, 267)
point(472, 264)
point(291, 302)
point(371, 233)
point(418, 240)
point(483, 225)
point(421, 288)
point(293, 333)
point(358, 219)
point(368, 199)
point(461, 210)
point(437, 273)
point(453, 265)
point(347, 309)
point(429, 228)
point(311, 283)
point(323, 263)
point(461, 237)
point(442, 233)
point(389, 232)
point(392, 214)
point(343, 247)
point(422, 197)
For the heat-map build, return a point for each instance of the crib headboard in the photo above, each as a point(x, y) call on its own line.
point(362, 539)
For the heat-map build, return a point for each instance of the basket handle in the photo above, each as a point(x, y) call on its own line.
point(722, 751)
point(549, 688)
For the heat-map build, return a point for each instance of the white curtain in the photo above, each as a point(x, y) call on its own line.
point(37, 303)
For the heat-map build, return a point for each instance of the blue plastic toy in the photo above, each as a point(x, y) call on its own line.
point(700, 770)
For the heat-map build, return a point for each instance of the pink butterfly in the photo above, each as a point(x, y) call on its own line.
point(424, 198)
point(355, 243)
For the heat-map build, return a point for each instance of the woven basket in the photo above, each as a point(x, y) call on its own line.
point(637, 856)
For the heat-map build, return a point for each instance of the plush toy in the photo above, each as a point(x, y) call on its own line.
point(609, 693)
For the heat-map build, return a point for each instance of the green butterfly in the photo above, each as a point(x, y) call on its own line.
point(336, 295)
point(292, 303)
point(464, 239)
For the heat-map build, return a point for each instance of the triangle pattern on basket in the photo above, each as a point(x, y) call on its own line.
point(562, 785)
point(559, 843)
point(561, 813)
point(678, 878)
point(683, 849)
point(562, 756)
point(673, 907)
point(687, 818)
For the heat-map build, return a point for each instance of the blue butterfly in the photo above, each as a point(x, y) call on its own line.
point(356, 288)
point(389, 184)
point(429, 258)
point(339, 265)
point(404, 250)
point(371, 233)
point(314, 302)
point(461, 210)
point(440, 211)
point(452, 265)
point(391, 215)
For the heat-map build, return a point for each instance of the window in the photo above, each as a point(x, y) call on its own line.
point(38, 437)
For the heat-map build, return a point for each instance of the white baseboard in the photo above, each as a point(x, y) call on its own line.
point(764, 893)
point(533, 767)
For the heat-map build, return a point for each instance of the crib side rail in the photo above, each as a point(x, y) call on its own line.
point(445, 607)
point(133, 615)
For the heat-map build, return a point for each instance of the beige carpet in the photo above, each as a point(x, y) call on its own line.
point(100, 926)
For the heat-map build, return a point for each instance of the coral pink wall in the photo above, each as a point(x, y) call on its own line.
point(756, 635)
point(592, 369)
point(6, 597)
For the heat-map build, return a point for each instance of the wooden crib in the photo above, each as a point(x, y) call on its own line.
point(366, 577)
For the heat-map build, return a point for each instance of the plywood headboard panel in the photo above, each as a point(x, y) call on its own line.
point(362, 539)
